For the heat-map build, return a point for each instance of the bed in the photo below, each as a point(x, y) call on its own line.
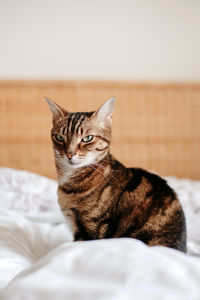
point(38, 258)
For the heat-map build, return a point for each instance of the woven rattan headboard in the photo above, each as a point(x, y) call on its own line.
point(155, 126)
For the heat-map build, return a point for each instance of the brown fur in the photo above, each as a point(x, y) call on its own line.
point(104, 199)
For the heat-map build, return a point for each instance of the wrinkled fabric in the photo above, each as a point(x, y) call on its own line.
point(38, 259)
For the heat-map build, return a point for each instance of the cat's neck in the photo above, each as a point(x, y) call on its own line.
point(68, 175)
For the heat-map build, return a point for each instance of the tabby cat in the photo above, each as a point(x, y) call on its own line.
point(101, 197)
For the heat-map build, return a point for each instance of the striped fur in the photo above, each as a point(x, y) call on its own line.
point(103, 198)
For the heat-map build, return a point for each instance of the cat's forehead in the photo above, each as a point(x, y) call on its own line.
point(75, 123)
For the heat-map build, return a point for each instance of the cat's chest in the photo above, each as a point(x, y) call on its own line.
point(85, 213)
point(67, 200)
point(81, 200)
point(89, 204)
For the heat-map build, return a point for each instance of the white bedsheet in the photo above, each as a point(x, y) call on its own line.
point(38, 259)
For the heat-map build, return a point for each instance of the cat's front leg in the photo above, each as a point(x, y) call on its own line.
point(69, 219)
point(78, 237)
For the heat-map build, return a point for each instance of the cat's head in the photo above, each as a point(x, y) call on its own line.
point(81, 138)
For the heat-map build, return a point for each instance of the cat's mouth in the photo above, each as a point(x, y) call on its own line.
point(78, 162)
point(72, 162)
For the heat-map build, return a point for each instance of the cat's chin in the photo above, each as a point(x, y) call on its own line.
point(75, 165)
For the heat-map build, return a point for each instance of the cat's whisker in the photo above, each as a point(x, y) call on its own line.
point(92, 165)
point(97, 164)
point(115, 149)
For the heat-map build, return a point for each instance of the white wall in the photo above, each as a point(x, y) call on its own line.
point(100, 39)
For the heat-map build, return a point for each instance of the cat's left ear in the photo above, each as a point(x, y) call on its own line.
point(104, 114)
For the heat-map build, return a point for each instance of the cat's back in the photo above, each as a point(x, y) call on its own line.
point(155, 185)
point(153, 210)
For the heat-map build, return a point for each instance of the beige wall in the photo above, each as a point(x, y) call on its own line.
point(100, 39)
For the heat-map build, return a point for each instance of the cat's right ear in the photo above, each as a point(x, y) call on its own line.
point(57, 110)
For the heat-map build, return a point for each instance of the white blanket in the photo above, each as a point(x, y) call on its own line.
point(38, 259)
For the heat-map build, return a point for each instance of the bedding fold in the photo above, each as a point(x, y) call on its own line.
point(38, 259)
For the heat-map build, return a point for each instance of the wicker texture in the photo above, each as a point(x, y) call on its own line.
point(155, 126)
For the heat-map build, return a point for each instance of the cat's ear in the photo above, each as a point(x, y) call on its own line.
point(104, 114)
point(56, 109)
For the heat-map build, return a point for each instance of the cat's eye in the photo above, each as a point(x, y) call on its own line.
point(59, 138)
point(87, 138)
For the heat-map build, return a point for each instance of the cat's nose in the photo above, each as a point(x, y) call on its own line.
point(70, 155)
